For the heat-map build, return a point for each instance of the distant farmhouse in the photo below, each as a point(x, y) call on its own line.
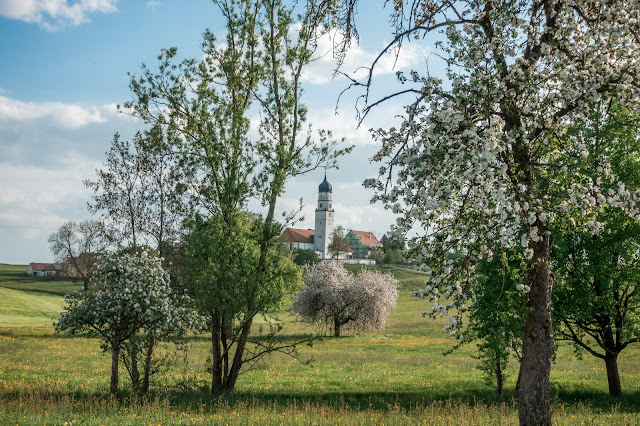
point(41, 269)
point(361, 242)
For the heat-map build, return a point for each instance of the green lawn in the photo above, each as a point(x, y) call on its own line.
point(396, 376)
point(30, 301)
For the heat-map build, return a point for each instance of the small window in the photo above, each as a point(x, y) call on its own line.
point(320, 205)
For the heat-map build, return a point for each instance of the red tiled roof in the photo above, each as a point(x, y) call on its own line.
point(294, 235)
point(42, 266)
point(366, 238)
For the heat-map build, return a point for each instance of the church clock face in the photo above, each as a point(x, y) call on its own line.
point(330, 214)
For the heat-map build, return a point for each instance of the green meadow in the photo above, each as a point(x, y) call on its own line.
point(396, 376)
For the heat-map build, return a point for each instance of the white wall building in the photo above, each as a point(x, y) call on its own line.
point(320, 238)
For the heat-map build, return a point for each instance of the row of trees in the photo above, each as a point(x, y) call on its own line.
point(132, 307)
point(182, 188)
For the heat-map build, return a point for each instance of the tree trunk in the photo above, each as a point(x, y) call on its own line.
point(537, 342)
point(216, 368)
point(135, 373)
point(147, 365)
point(336, 327)
point(499, 378)
point(238, 360)
point(115, 356)
point(613, 376)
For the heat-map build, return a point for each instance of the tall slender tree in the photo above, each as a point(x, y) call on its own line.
point(205, 106)
point(138, 193)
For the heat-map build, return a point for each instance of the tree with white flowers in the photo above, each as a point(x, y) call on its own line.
point(484, 162)
point(334, 298)
point(129, 300)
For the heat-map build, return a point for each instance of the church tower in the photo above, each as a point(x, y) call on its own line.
point(324, 219)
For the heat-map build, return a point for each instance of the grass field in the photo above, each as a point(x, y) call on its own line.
point(397, 376)
point(30, 301)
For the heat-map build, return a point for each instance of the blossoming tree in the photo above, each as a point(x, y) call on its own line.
point(129, 299)
point(482, 162)
point(335, 298)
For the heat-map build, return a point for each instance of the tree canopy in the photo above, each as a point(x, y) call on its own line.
point(485, 162)
point(334, 298)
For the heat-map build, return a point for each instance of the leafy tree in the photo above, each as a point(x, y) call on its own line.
point(77, 247)
point(496, 316)
point(138, 193)
point(478, 162)
point(205, 106)
point(119, 192)
point(597, 298)
point(130, 300)
point(597, 272)
point(394, 247)
point(335, 298)
point(393, 241)
point(338, 245)
point(305, 257)
point(389, 258)
point(222, 271)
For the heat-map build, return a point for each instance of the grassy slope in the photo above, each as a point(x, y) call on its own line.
point(30, 301)
point(396, 376)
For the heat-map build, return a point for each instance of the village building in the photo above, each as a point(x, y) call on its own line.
point(362, 243)
point(319, 239)
point(299, 238)
point(41, 269)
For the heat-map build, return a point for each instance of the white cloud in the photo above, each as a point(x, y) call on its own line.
point(38, 199)
point(322, 69)
point(64, 115)
point(152, 4)
point(343, 125)
point(53, 15)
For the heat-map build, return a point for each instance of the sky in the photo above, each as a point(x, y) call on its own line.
point(63, 70)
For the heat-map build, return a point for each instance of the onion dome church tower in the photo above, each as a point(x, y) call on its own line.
point(324, 219)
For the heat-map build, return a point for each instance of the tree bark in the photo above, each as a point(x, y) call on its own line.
point(613, 376)
point(537, 342)
point(147, 365)
point(499, 378)
point(238, 360)
point(115, 356)
point(336, 327)
point(216, 368)
point(135, 372)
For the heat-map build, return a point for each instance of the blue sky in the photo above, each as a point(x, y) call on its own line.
point(64, 68)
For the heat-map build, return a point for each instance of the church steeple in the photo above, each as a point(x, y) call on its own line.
point(324, 186)
point(324, 218)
